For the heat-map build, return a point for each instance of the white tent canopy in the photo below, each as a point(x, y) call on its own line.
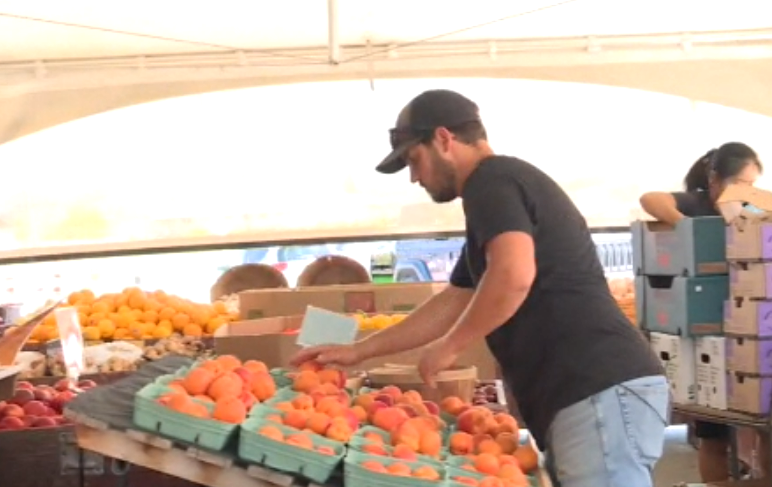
point(60, 61)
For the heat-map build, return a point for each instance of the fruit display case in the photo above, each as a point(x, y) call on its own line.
point(378, 471)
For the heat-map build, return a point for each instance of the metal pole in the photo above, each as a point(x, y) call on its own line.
point(333, 44)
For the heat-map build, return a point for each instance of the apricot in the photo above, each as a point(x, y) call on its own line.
point(360, 413)
point(399, 469)
point(213, 366)
point(426, 472)
point(461, 443)
point(228, 362)
point(275, 418)
point(465, 480)
point(230, 410)
point(303, 401)
point(374, 466)
point(204, 398)
point(430, 443)
point(197, 381)
point(404, 452)
point(271, 432)
point(527, 458)
point(198, 410)
point(284, 406)
point(489, 446)
point(472, 421)
point(406, 434)
point(331, 376)
point(375, 449)
point(255, 366)
point(508, 459)
point(300, 440)
point(318, 422)
point(364, 401)
point(392, 391)
point(263, 386)
point(305, 381)
point(453, 405)
point(325, 450)
point(487, 463)
point(512, 472)
point(326, 404)
point(227, 384)
point(389, 418)
point(373, 437)
point(491, 482)
point(339, 430)
point(411, 397)
point(508, 442)
point(295, 419)
point(311, 366)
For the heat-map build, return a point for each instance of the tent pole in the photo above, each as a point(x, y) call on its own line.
point(333, 43)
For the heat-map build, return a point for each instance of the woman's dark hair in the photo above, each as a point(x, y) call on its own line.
point(725, 162)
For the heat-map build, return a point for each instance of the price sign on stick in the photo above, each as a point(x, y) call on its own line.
point(71, 342)
point(322, 327)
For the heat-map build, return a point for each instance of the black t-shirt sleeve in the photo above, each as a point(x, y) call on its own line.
point(494, 205)
point(461, 277)
point(686, 203)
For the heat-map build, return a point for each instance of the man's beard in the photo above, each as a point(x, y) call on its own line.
point(445, 173)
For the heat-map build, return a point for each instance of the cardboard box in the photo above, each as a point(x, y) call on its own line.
point(8, 375)
point(749, 234)
point(639, 284)
point(710, 355)
point(749, 355)
point(686, 306)
point(741, 483)
point(694, 247)
point(677, 357)
point(748, 394)
point(272, 341)
point(751, 280)
point(748, 318)
point(369, 298)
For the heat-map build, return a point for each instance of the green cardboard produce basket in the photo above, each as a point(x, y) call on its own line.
point(152, 416)
point(310, 464)
point(355, 475)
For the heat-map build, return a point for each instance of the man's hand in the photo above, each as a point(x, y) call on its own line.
point(437, 357)
point(341, 355)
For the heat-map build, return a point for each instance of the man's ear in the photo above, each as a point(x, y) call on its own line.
point(443, 137)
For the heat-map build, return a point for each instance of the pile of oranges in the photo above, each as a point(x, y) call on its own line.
point(377, 322)
point(134, 314)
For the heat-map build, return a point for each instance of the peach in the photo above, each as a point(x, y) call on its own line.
point(461, 443)
point(272, 432)
point(508, 442)
point(43, 395)
point(392, 391)
point(23, 384)
point(426, 472)
point(487, 463)
point(318, 422)
point(375, 449)
point(389, 418)
point(399, 469)
point(22, 397)
point(295, 419)
point(44, 423)
point(11, 423)
point(374, 466)
point(35, 408)
point(300, 441)
point(305, 381)
point(404, 452)
point(431, 407)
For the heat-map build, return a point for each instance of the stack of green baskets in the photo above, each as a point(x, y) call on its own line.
point(455, 468)
point(311, 464)
point(358, 441)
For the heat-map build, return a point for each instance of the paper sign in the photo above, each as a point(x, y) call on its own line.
point(322, 327)
point(71, 341)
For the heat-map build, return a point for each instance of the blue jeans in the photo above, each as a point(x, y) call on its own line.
point(611, 439)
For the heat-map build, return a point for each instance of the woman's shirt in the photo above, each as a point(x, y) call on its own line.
point(695, 204)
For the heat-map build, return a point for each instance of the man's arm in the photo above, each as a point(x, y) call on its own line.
point(429, 322)
point(502, 225)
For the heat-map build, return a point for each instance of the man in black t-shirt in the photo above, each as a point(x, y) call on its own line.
point(529, 280)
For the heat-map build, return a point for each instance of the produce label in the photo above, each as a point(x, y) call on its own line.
point(71, 341)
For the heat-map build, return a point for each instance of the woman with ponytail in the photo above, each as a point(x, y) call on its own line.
point(732, 163)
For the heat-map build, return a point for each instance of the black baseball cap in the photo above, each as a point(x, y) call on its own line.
point(420, 118)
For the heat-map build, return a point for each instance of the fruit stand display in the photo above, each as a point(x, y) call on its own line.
point(220, 421)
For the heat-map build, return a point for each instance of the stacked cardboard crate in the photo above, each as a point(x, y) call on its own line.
point(681, 284)
point(748, 313)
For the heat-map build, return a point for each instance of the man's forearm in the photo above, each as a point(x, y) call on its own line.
point(429, 322)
